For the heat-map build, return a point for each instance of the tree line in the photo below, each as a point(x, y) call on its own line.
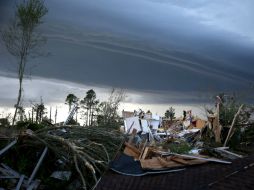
point(96, 112)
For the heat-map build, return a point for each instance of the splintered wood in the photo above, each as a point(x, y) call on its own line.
point(168, 162)
point(131, 150)
point(154, 159)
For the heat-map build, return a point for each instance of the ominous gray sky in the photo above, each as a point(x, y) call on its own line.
point(170, 50)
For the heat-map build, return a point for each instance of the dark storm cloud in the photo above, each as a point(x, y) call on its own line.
point(150, 46)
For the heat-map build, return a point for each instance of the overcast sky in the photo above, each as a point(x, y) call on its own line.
point(160, 51)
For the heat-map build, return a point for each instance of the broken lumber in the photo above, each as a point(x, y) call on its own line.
point(228, 154)
point(8, 147)
point(131, 150)
point(21, 179)
point(168, 162)
point(231, 127)
point(10, 171)
point(144, 151)
point(37, 165)
point(202, 158)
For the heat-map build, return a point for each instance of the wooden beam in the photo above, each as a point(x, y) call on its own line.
point(232, 124)
point(21, 179)
point(37, 165)
point(8, 147)
point(201, 158)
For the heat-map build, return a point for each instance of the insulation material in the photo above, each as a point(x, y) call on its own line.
point(133, 123)
point(145, 126)
point(155, 124)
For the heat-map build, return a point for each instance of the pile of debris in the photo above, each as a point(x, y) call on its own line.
point(57, 157)
point(154, 144)
point(69, 157)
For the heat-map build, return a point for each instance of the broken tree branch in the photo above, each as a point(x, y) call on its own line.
point(231, 127)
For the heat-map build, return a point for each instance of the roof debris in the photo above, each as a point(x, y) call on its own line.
point(75, 157)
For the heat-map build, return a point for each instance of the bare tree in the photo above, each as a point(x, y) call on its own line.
point(108, 109)
point(21, 39)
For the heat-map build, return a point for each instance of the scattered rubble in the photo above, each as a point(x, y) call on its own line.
point(54, 157)
point(69, 157)
point(176, 143)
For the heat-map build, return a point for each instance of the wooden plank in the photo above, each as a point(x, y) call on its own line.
point(128, 151)
point(4, 171)
point(34, 185)
point(10, 170)
point(158, 163)
point(8, 147)
point(145, 152)
point(37, 165)
point(168, 162)
point(232, 124)
point(202, 158)
point(133, 148)
point(228, 154)
point(179, 160)
point(8, 177)
point(222, 148)
point(21, 179)
point(234, 154)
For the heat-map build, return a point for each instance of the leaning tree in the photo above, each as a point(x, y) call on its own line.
point(21, 38)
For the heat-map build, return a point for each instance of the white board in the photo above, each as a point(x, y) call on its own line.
point(128, 123)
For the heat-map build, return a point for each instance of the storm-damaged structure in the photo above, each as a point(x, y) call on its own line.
point(167, 152)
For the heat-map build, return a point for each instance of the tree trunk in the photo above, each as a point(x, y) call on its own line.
point(50, 114)
point(55, 115)
point(18, 101)
point(92, 117)
point(77, 116)
point(87, 117)
point(40, 116)
point(32, 115)
point(37, 116)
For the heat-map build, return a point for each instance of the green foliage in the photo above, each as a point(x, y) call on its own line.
point(179, 147)
point(108, 109)
point(236, 138)
point(21, 39)
point(248, 134)
point(228, 110)
point(89, 103)
point(70, 100)
point(40, 111)
point(72, 122)
point(170, 113)
point(29, 125)
point(113, 124)
point(4, 122)
point(30, 13)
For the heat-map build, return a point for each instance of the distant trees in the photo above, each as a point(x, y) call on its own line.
point(89, 103)
point(40, 111)
point(108, 109)
point(20, 37)
point(21, 113)
point(95, 112)
point(170, 113)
